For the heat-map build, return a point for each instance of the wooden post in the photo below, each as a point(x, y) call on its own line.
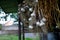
point(19, 25)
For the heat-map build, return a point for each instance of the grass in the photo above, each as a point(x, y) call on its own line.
point(14, 37)
point(28, 39)
point(8, 37)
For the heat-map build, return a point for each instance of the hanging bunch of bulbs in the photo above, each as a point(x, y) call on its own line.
point(37, 13)
point(28, 15)
point(25, 11)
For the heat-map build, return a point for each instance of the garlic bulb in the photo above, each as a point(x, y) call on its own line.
point(30, 26)
point(22, 9)
point(30, 19)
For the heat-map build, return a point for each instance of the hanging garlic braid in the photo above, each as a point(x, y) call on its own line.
point(50, 12)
